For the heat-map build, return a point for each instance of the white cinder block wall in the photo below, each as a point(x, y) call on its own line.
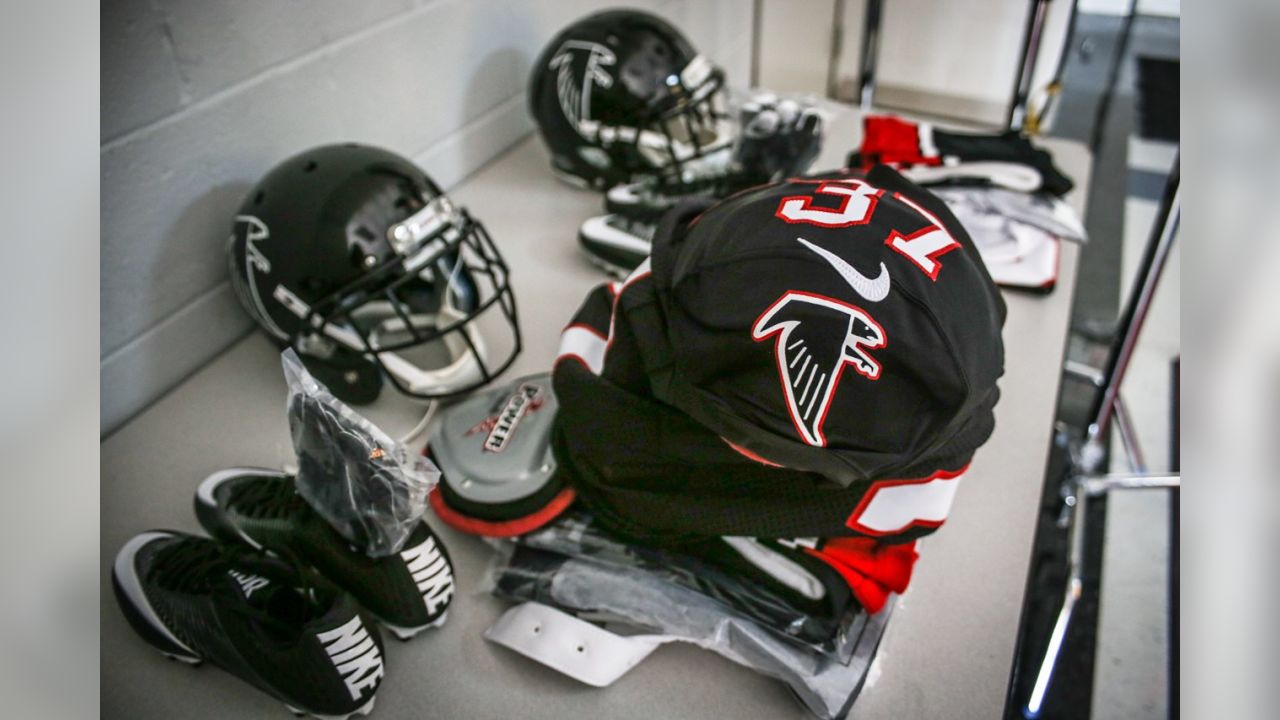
point(201, 97)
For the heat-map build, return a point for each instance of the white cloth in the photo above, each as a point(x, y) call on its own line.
point(1017, 234)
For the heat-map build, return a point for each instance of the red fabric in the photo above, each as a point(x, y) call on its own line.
point(750, 455)
point(891, 140)
point(506, 528)
point(872, 569)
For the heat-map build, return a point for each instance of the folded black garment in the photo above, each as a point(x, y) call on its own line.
point(903, 144)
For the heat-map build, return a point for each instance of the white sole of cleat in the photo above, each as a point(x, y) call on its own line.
point(610, 269)
point(404, 633)
point(362, 711)
point(184, 659)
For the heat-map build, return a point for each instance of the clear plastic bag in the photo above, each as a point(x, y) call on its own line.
point(640, 600)
point(1037, 210)
point(574, 535)
point(370, 488)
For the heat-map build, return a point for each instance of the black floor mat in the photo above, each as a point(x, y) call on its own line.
point(1158, 98)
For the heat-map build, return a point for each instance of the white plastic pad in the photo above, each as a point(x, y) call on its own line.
point(577, 648)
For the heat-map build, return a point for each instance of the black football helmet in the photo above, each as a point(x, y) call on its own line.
point(355, 258)
point(621, 95)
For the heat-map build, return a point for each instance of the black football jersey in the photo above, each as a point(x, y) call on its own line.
point(816, 357)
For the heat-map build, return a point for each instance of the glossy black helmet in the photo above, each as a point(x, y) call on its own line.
point(621, 95)
point(355, 258)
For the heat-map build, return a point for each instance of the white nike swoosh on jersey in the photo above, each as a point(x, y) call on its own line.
point(873, 290)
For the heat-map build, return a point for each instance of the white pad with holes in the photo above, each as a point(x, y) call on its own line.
point(575, 647)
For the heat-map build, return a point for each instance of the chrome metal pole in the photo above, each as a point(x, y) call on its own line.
point(1081, 371)
point(1096, 485)
point(1075, 587)
point(757, 20)
point(1104, 104)
point(1150, 269)
point(1041, 119)
point(1129, 437)
point(1087, 487)
point(837, 44)
point(870, 51)
point(1027, 67)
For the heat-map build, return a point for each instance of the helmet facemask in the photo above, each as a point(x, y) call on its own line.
point(691, 130)
point(422, 313)
point(684, 133)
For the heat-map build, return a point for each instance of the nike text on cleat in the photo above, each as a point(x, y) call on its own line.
point(408, 591)
point(259, 618)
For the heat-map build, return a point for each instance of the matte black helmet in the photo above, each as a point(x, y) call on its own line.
point(621, 95)
point(355, 258)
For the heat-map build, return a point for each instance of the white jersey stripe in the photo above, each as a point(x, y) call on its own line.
point(583, 343)
point(579, 342)
point(892, 506)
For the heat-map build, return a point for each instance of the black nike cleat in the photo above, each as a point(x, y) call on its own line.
point(254, 616)
point(615, 243)
point(649, 198)
point(408, 592)
point(619, 241)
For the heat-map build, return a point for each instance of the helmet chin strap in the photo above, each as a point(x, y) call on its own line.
point(463, 369)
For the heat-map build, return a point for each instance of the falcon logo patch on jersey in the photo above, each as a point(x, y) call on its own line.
point(579, 67)
point(815, 338)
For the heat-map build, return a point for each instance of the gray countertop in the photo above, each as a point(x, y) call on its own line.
point(946, 654)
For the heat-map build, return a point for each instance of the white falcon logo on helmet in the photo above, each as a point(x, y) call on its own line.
point(816, 337)
point(255, 262)
point(575, 101)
